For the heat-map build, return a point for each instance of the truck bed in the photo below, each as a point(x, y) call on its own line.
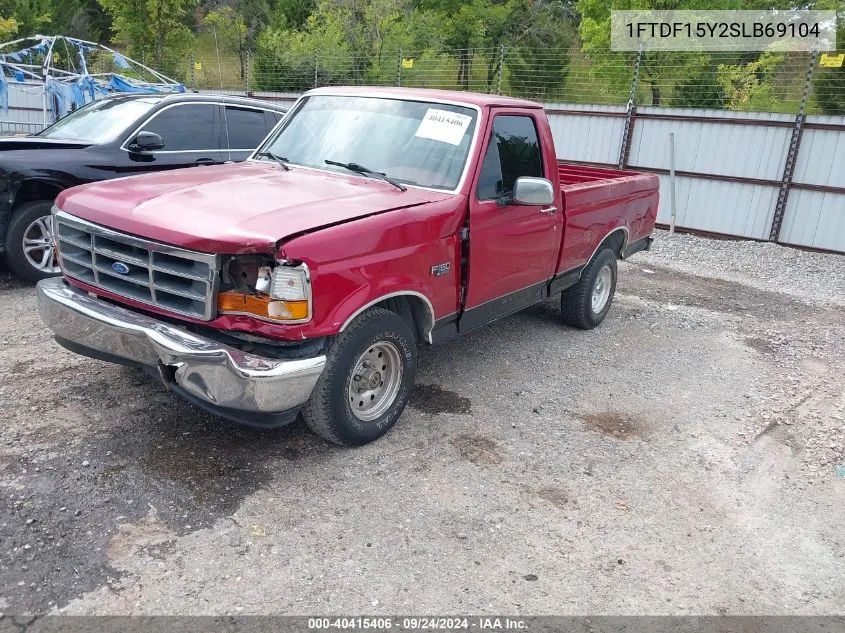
point(584, 185)
point(596, 202)
point(579, 174)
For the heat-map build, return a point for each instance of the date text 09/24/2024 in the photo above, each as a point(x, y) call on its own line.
point(420, 623)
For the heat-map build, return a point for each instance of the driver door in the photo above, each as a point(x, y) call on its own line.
point(513, 248)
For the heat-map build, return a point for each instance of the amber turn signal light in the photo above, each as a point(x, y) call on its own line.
point(262, 306)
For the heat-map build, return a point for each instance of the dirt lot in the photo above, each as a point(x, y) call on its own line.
point(686, 457)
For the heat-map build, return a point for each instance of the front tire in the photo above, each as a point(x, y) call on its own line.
point(30, 248)
point(367, 380)
point(587, 303)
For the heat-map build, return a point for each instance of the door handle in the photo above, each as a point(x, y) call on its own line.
point(204, 161)
point(549, 210)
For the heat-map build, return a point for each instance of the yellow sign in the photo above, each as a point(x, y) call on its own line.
point(407, 63)
point(832, 61)
point(197, 65)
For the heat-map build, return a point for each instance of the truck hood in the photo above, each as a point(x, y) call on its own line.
point(227, 209)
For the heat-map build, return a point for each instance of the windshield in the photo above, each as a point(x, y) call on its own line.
point(415, 143)
point(100, 121)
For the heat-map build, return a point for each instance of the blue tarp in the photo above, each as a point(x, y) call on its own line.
point(4, 93)
point(17, 55)
point(81, 44)
point(92, 87)
point(61, 94)
point(120, 61)
point(82, 64)
point(69, 96)
point(121, 84)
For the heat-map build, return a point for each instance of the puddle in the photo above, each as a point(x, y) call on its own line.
point(435, 399)
point(762, 345)
point(480, 450)
point(622, 426)
point(556, 495)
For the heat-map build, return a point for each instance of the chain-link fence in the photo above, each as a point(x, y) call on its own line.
point(733, 81)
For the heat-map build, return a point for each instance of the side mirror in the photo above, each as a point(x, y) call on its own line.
point(533, 191)
point(146, 142)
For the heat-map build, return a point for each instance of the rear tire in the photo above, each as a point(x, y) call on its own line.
point(367, 380)
point(585, 304)
point(30, 251)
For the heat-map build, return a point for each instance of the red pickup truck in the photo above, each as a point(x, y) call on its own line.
point(369, 221)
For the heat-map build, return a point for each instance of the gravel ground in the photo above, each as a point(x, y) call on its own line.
point(805, 275)
point(687, 457)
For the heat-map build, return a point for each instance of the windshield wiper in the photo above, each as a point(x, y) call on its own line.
point(279, 159)
point(360, 169)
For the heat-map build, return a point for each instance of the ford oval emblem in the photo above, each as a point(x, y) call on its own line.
point(120, 267)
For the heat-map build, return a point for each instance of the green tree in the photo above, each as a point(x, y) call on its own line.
point(341, 41)
point(697, 87)
point(748, 86)
point(31, 16)
point(155, 30)
point(659, 72)
point(291, 14)
point(84, 19)
point(475, 26)
point(229, 31)
point(296, 60)
point(539, 51)
point(829, 83)
point(8, 27)
point(533, 72)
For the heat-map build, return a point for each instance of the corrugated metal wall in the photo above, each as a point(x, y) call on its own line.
point(729, 166)
point(591, 136)
point(25, 115)
point(814, 214)
point(719, 207)
point(714, 148)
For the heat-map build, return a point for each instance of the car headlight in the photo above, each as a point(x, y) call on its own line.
point(282, 293)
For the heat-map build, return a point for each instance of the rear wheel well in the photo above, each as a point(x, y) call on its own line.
point(415, 311)
point(615, 242)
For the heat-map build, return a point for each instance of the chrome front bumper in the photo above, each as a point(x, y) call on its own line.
point(234, 384)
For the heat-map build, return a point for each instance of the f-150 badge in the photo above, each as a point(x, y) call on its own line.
point(438, 270)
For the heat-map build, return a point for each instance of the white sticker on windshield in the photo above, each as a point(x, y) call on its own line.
point(444, 126)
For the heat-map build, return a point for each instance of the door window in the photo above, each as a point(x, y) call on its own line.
point(513, 151)
point(247, 128)
point(185, 127)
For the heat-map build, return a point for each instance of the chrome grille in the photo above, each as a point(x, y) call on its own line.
point(167, 277)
